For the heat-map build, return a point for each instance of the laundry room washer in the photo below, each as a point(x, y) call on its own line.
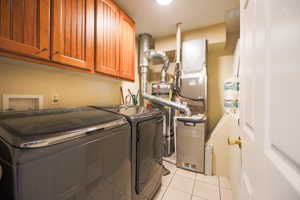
point(65, 154)
point(147, 136)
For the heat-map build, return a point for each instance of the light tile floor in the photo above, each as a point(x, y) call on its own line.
point(185, 185)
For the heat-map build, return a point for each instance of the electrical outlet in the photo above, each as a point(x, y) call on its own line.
point(55, 99)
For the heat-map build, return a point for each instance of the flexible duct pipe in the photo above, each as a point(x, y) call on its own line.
point(153, 54)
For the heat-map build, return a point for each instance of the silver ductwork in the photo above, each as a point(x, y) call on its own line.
point(145, 55)
point(178, 44)
point(165, 102)
point(153, 54)
point(146, 42)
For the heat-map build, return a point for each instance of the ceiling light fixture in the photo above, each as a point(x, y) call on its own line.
point(164, 2)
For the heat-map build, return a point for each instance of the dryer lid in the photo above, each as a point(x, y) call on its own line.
point(133, 113)
point(32, 127)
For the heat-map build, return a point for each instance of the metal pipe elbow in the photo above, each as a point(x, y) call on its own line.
point(165, 102)
point(153, 54)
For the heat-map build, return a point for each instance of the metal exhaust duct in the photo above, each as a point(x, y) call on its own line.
point(165, 102)
point(178, 44)
point(145, 55)
point(153, 54)
point(145, 43)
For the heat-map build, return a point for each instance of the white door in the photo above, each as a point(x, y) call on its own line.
point(270, 99)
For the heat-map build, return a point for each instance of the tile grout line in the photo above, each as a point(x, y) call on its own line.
point(175, 173)
point(202, 182)
point(194, 179)
point(172, 177)
point(193, 187)
point(219, 184)
point(168, 185)
point(162, 196)
point(211, 184)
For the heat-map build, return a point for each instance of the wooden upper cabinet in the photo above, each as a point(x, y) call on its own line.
point(107, 38)
point(25, 27)
point(127, 47)
point(73, 33)
point(90, 35)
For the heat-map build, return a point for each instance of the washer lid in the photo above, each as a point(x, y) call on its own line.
point(33, 128)
point(133, 113)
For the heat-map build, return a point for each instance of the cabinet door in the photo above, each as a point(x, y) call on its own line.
point(127, 47)
point(73, 33)
point(107, 37)
point(25, 27)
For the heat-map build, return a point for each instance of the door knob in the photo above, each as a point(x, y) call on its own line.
point(235, 142)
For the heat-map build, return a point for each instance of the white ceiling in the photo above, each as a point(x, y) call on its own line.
point(161, 20)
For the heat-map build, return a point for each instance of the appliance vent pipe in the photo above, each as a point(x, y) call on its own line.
point(178, 44)
point(165, 102)
point(153, 54)
point(145, 45)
